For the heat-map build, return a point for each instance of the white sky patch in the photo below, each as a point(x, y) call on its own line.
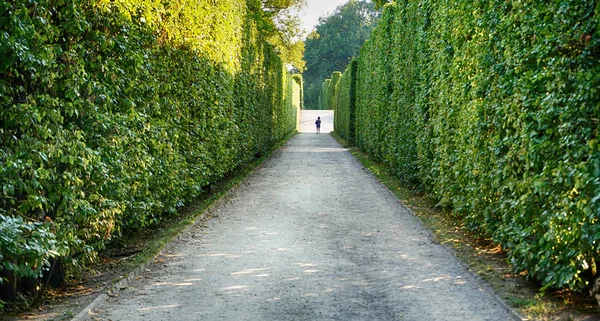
point(315, 9)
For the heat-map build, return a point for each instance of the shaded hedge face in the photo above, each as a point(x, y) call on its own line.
point(345, 119)
point(492, 107)
point(329, 92)
point(114, 114)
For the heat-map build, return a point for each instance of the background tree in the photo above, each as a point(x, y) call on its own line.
point(282, 27)
point(335, 41)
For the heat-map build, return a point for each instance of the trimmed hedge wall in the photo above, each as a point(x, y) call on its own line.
point(296, 92)
point(344, 116)
point(113, 114)
point(493, 108)
point(336, 77)
point(324, 96)
point(328, 95)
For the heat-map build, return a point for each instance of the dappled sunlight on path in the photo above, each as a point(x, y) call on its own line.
point(309, 236)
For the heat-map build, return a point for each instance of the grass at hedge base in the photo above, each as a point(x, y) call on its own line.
point(481, 255)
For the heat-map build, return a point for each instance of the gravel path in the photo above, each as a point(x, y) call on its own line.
point(309, 236)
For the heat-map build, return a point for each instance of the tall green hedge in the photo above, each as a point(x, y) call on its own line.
point(344, 115)
point(113, 114)
point(336, 77)
point(328, 95)
point(324, 96)
point(492, 107)
point(291, 103)
point(296, 90)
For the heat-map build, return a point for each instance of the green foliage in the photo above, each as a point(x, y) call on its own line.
point(324, 96)
point(492, 107)
point(279, 5)
point(336, 40)
point(336, 77)
point(113, 114)
point(280, 23)
point(298, 92)
point(294, 96)
point(328, 95)
point(344, 116)
point(26, 248)
point(380, 3)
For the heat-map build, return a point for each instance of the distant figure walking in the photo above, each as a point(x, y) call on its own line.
point(318, 123)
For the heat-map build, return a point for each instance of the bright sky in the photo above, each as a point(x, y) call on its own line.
point(315, 9)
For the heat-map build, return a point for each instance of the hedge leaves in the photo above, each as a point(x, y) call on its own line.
point(492, 107)
point(116, 113)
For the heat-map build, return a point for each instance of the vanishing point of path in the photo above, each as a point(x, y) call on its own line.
point(309, 236)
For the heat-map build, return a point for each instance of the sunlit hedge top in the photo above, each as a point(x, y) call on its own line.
point(114, 114)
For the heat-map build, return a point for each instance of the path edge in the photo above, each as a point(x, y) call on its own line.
point(484, 285)
point(114, 290)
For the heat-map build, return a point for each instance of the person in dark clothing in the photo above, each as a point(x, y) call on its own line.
point(318, 123)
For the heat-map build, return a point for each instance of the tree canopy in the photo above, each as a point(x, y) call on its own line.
point(281, 25)
point(335, 41)
point(380, 3)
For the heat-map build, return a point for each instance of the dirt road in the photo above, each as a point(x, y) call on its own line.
point(309, 236)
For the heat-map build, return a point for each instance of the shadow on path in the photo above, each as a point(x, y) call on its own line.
point(309, 236)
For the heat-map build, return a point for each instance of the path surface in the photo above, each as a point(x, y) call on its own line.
point(309, 236)
point(307, 121)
